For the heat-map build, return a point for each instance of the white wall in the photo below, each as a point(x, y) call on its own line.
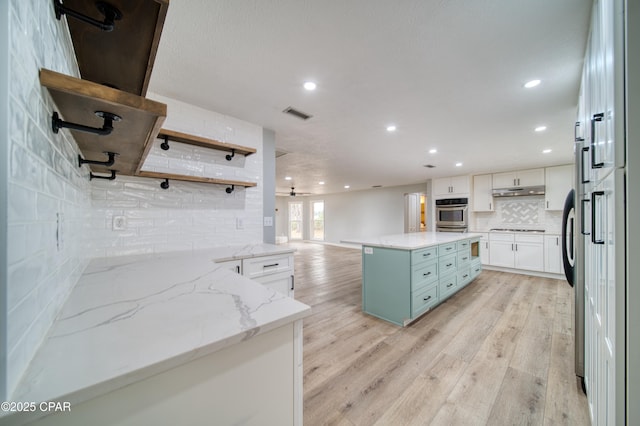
point(353, 214)
point(45, 187)
point(57, 219)
point(186, 216)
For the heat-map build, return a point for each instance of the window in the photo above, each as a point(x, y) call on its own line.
point(317, 220)
point(295, 220)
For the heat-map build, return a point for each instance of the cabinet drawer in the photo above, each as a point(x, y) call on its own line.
point(422, 275)
point(429, 254)
point(445, 249)
point(501, 236)
point(423, 300)
point(448, 285)
point(282, 282)
point(464, 276)
point(266, 265)
point(464, 257)
point(447, 263)
point(464, 244)
point(528, 238)
point(476, 268)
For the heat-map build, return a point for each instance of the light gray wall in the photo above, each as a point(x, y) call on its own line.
point(4, 168)
point(354, 214)
point(269, 184)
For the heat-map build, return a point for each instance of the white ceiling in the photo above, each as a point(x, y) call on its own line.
point(448, 73)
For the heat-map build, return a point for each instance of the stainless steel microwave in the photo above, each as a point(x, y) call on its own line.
point(452, 212)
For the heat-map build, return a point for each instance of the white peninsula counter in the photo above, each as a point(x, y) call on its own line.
point(405, 275)
point(173, 338)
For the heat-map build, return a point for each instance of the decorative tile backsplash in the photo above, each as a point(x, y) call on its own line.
point(520, 212)
point(525, 213)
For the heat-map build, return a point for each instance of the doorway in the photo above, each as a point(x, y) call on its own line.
point(295, 220)
point(415, 212)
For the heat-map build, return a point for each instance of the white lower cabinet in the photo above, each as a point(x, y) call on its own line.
point(234, 265)
point(275, 271)
point(519, 251)
point(553, 254)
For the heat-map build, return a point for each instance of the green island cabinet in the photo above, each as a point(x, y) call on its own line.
point(401, 284)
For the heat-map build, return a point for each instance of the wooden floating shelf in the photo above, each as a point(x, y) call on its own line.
point(175, 136)
point(186, 178)
point(77, 101)
point(122, 58)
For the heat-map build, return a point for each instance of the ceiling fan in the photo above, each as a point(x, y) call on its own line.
point(292, 193)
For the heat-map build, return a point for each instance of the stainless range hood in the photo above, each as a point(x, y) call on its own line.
point(519, 191)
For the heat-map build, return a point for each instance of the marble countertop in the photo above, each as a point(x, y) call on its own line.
point(412, 241)
point(131, 317)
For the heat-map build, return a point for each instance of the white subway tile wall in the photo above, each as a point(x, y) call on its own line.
point(48, 197)
point(58, 219)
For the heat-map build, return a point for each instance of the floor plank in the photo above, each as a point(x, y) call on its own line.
point(499, 352)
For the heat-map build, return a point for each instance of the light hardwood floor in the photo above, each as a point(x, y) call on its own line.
point(499, 352)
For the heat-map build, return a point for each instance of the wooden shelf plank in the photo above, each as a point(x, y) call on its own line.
point(122, 58)
point(160, 175)
point(173, 135)
point(77, 100)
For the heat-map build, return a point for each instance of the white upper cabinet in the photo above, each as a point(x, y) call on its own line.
point(456, 186)
point(559, 181)
point(482, 196)
point(531, 177)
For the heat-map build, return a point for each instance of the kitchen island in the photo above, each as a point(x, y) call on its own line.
point(405, 275)
point(173, 338)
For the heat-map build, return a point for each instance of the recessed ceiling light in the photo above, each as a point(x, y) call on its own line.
point(310, 86)
point(321, 182)
point(546, 151)
point(532, 83)
point(347, 187)
point(287, 178)
point(433, 151)
point(540, 128)
point(391, 128)
point(458, 164)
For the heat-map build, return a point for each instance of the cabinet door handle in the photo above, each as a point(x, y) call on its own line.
point(594, 163)
point(557, 241)
point(547, 204)
point(489, 206)
point(270, 266)
point(582, 216)
point(584, 175)
point(449, 285)
point(293, 280)
point(511, 247)
point(594, 197)
point(238, 269)
point(577, 138)
point(426, 298)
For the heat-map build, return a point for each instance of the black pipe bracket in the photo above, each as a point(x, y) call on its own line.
point(112, 177)
point(109, 118)
point(108, 163)
point(110, 13)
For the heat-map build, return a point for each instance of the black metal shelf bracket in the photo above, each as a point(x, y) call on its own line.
point(230, 189)
point(230, 156)
point(112, 177)
point(165, 145)
point(108, 163)
point(165, 184)
point(110, 13)
point(57, 123)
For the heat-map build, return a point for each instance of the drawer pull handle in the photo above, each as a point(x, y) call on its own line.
point(426, 254)
point(449, 285)
point(464, 258)
point(465, 276)
point(270, 266)
point(449, 248)
point(449, 264)
point(426, 274)
point(426, 298)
